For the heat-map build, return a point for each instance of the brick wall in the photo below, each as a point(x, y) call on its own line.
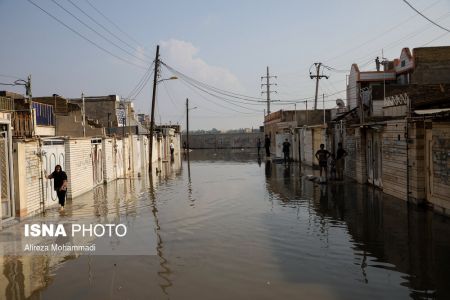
point(349, 145)
point(360, 156)
point(440, 197)
point(432, 65)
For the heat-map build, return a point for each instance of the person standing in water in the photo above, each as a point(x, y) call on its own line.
point(267, 145)
point(286, 151)
point(59, 184)
point(172, 149)
point(340, 161)
point(258, 145)
point(322, 156)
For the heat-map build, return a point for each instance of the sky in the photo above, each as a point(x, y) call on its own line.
point(226, 45)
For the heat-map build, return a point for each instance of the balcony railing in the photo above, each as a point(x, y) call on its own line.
point(22, 124)
point(6, 104)
point(44, 114)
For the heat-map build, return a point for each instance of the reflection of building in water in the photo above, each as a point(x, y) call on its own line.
point(385, 232)
point(285, 182)
point(22, 276)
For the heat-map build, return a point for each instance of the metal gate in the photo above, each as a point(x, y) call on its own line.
point(53, 153)
point(97, 160)
point(137, 153)
point(373, 158)
point(279, 140)
point(7, 201)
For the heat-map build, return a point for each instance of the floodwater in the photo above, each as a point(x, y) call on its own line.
point(230, 226)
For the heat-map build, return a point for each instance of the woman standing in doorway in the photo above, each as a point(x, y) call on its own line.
point(59, 184)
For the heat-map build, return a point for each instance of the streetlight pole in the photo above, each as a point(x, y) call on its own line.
point(152, 118)
point(187, 126)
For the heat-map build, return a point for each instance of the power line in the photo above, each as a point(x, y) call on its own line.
point(85, 38)
point(98, 33)
point(221, 91)
point(105, 28)
point(209, 100)
point(111, 22)
point(215, 96)
point(433, 22)
point(144, 82)
point(9, 76)
point(143, 79)
point(382, 34)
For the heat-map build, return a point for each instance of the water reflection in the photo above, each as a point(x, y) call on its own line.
point(165, 272)
point(26, 277)
point(385, 233)
point(231, 225)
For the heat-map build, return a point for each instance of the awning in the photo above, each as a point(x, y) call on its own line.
point(431, 111)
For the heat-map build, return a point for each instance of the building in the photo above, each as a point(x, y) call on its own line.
point(396, 130)
point(302, 128)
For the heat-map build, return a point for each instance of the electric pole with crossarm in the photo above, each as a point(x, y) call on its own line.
point(318, 76)
point(268, 91)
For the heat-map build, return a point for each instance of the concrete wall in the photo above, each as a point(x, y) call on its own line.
point(306, 144)
point(72, 126)
point(224, 140)
point(45, 130)
point(97, 108)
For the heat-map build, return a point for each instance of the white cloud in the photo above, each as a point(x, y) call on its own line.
point(183, 56)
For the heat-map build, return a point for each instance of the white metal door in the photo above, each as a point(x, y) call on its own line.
point(53, 153)
point(279, 140)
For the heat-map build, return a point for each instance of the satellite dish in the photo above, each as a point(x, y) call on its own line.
point(340, 103)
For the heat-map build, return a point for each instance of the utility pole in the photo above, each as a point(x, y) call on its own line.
point(323, 106)
point(84, 115)
point(268, 91)
point(130, 139)
point(187, 127)
point(306, 112)
point(317, 77)
point(30, 101)
point(152, 119)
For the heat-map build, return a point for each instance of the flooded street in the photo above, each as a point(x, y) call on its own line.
point(230, 226)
